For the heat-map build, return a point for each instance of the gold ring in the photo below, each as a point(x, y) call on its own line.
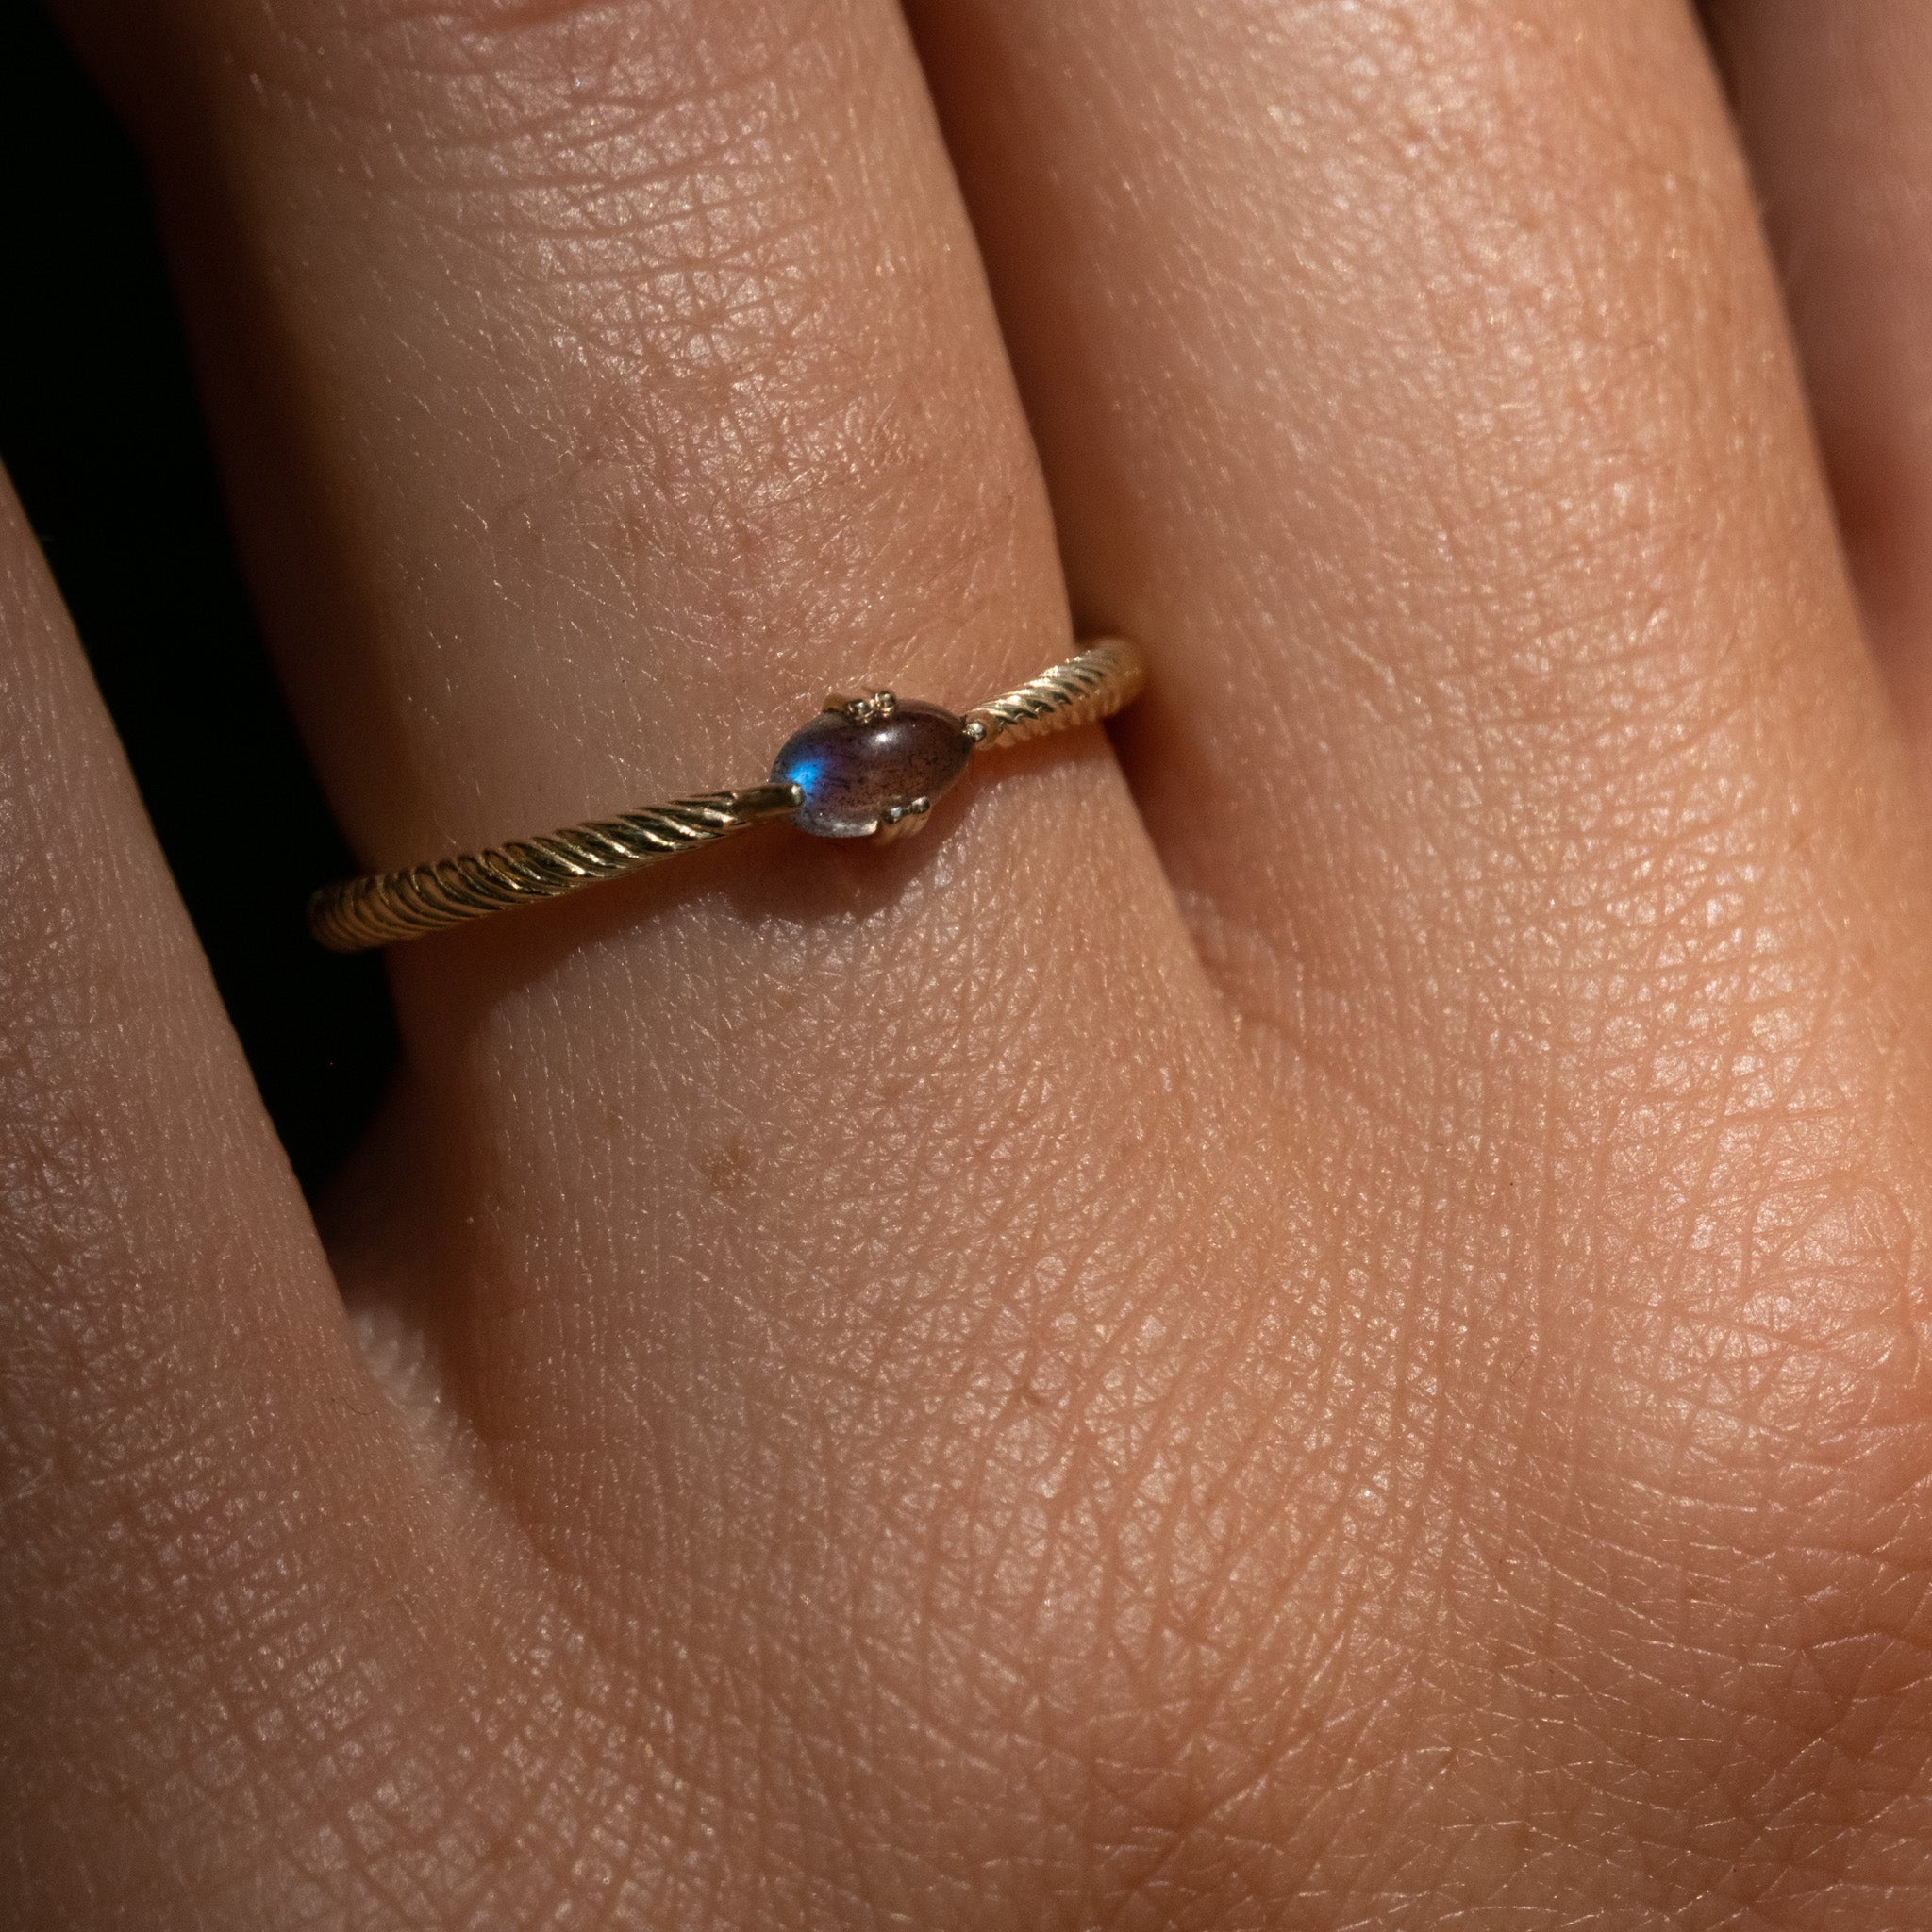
point(866, 767)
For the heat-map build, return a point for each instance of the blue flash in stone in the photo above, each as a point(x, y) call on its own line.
point(857, 763)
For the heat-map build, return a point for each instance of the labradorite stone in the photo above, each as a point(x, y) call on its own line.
point(852, 773)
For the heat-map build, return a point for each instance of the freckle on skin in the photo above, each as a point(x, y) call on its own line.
point(728, 1170)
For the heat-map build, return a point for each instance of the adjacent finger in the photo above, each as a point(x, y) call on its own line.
point(206, 1510)
point(1422, 394)
point(1831, 105)
point(1412, 378)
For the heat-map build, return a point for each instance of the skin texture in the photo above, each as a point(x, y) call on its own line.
point(1315, 1325)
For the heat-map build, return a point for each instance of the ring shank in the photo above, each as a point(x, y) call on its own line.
point(356, 914)
point(1104, 677)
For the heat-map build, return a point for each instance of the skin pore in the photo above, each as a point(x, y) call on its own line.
point(1307, 1316)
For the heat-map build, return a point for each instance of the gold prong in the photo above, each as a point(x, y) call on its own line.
point(864, 710)
point(901, 821)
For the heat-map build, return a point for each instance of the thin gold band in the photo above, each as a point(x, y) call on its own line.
point(356, 914)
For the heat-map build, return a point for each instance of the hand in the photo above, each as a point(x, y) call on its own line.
point(1313, 1320)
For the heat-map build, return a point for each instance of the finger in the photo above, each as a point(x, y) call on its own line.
point(1830, 104)
point(768, 392)
point(630, 424)
point(601, 386)
point(1422, 396)
point(203, 1506)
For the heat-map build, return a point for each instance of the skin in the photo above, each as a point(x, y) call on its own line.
point(1311, 1318)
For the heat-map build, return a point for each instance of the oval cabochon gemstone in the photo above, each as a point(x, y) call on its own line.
point(852, 773)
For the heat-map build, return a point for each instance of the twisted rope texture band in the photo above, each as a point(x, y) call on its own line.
point(1094, 683)
point(426, 898)
point(374, 911)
